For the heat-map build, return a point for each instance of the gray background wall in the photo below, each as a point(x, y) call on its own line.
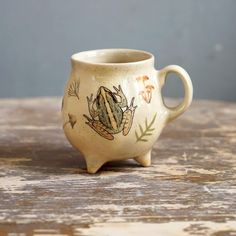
point(38, 37)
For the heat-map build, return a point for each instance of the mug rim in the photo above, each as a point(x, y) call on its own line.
point(144, 56)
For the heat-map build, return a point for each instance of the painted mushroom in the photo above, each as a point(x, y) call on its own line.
point(147, 92)
point(143, 79)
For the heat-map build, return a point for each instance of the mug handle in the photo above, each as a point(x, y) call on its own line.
point(174, 112)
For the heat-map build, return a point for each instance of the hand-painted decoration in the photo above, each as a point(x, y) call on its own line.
point(146, 93)
point(62, 103)
point(146, 131)
point(74, 89)
point(72, 121)
point(110, 113)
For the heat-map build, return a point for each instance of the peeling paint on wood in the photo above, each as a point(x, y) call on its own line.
point(171, 229)
point(190, 189)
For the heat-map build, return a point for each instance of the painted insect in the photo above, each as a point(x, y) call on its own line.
point(110, 113)
point(72, 121)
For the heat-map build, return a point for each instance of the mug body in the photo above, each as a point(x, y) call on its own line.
point(112, 106)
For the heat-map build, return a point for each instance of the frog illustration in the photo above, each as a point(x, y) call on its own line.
point(110, 113)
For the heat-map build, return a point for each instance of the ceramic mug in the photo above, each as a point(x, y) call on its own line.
point(113, 108)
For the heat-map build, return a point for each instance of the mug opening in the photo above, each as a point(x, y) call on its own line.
point(112, 56)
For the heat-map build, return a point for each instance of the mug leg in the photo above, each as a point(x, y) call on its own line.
point(93, 164)
point(145, 159)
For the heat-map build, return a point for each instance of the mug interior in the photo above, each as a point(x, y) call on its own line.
point(112, 56)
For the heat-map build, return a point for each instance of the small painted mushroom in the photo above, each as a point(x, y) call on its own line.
point(142, 78)
point(148, 90)
point(149, 87)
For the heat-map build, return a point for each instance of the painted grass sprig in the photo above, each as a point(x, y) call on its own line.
point(146, 131)
point(74, 89)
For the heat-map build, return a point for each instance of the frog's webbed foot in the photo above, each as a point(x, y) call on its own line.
point(128, 117)
point(99, 128)
point(120, 93)
point(92, 111)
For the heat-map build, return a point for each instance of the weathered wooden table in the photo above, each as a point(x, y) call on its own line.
point(45, 191)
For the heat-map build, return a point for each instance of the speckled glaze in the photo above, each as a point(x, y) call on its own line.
point(113, 108)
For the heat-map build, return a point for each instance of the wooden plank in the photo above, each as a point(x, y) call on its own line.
point(189, 190)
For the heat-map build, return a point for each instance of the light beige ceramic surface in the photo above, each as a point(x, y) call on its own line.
point(113, 108)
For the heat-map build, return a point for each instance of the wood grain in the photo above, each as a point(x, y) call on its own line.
point(189, 190)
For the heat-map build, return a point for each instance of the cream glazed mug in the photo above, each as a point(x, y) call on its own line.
point(113, 108)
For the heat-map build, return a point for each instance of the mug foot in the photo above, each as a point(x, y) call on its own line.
point(145, 159)
point(93, 164)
